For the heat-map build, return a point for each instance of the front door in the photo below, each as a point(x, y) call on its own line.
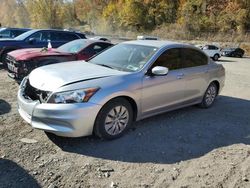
point(40, 40)
point(162, 92)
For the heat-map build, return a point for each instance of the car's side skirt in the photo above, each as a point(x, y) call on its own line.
point(171, 108)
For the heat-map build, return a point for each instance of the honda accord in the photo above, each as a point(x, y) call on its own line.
point(128, 82)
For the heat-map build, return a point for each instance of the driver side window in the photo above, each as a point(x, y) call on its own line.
point(171, 59)
point(41, 36)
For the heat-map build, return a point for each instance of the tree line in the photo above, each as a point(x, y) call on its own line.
point(129, 15)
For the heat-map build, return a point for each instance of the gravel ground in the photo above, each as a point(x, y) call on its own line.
point(191, 147)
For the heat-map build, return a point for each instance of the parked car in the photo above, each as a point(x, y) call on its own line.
point(22, 62)
point(198, 46)
point(12, 32)
point(143, 37)
point(128, 82)
point(37, 38)
point(232, 52)
point(100, 38)
point(212, 51)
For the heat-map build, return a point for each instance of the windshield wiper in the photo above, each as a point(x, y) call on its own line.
point(105, 66)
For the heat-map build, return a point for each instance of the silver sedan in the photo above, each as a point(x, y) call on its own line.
point(128, 82)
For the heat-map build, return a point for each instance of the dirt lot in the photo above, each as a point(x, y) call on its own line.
point(191, 147)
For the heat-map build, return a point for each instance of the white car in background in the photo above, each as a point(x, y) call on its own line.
point(212, 51)
point(100, 38)
point(143, 37)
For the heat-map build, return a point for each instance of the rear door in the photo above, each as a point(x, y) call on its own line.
point(196, 73)
point(161, 92)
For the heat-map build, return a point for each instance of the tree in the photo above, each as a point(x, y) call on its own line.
point(21, 14)
point(46, 13)
point(8, 8)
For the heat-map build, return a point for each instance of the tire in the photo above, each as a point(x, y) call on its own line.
point(209, 96)
point(216, 57)
point(114, 119)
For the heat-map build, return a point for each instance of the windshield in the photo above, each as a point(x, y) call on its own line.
point(25, 35)
point(74, 46)
point(125, 57)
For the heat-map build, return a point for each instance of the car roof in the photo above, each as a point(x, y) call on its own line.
point(91, 41)
point(155, 43)
point(61, 30)
point(211, 45)
point(15, 28)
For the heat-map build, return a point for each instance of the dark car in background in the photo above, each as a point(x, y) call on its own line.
point(22, 62)
point(12, 32)
point(232, 52)
point(37, 38)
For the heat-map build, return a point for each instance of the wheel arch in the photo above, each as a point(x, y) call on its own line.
point(217, 83)
point(131, 102)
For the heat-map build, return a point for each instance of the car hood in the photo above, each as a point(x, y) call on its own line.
point(52, 77)
point(27, 54)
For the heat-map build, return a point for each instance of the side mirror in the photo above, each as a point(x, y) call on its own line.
point(159, 71)
point(32, 40)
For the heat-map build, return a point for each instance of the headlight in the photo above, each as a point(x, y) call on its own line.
point(75, 96)
point(23, 82)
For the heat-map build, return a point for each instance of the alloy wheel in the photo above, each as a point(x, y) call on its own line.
point(116, 120)
point(210, 95)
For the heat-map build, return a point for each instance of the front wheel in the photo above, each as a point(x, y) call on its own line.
point(209, 96)
point(114, 119)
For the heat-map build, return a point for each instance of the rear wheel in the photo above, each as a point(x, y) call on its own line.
point(209, 96)
point(216, 57)
point(239, 55)
point(114, 119)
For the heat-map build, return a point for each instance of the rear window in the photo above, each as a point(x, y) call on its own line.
point(15, 33)
point(5, 33)
point(81, 35)
point(193, 58)
point(210, 47)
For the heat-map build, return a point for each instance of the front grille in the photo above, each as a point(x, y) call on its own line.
point(32, 93)
point(10, 59)
point(12, 64)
